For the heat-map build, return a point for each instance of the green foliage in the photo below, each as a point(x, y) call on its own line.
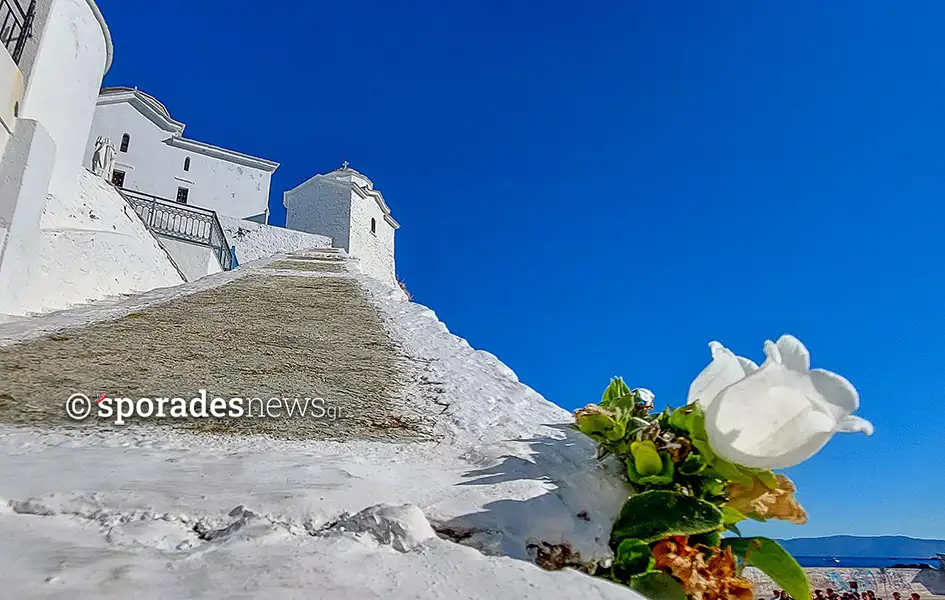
point(633, 557)
point(658, 586)
point(680, 490)
point(601, 427)
point(648, 466)
point(617, 395)
point(768, 556)
point(657, 514)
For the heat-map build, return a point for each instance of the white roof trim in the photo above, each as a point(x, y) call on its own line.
point(364, 193)
point(145, 104)
point(379, 198)
point(157, 113)
point(222, 153)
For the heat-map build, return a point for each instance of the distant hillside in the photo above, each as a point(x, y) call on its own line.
point(850, 545)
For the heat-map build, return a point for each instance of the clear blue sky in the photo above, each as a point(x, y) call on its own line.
point(595, 191)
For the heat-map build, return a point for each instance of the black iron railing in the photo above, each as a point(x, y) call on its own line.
point(182, 222)
point(16, 26)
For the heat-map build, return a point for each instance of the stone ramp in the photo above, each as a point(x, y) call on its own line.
point(300, 326)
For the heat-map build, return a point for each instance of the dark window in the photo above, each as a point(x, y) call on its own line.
point(125, 140)
point(182, 193)
point(118, 178)
point(187, 164)
point(373, 226)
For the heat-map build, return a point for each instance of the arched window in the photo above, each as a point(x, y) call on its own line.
point(125, 140)
point(373, 226)
point(187, 164)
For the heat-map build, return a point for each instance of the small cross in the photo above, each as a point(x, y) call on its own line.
point(344, 165)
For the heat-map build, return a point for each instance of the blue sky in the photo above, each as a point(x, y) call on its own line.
point(595, 191)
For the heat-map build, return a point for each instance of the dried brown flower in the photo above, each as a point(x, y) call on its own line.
point(759, 501)
point(702, 578)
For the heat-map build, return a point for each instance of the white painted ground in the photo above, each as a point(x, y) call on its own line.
point(155, 514)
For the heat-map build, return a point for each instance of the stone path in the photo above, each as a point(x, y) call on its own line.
point(297, 327)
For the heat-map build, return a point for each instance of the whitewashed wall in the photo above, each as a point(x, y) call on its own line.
point(11, 95)
point(321, 207)
point(375, 251)
point(92, 246)
point(254, 240)
point(194, 260)
point(153, 167)
point(341, 205)
point(64, 81)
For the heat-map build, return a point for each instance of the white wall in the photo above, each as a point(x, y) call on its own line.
point(375, 251)
point(194, 260)
point(64, 82)
point(92, 246)
point(322, 207)
point(254, 240)
point(154, 167)
point(341, 205)
point(11, 95)
point(25, 173)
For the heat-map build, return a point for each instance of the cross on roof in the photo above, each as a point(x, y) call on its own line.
point(344, 165)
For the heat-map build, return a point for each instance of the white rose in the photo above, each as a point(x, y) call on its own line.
point(777, 415)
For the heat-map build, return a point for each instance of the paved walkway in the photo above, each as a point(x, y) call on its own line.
point(297, 327)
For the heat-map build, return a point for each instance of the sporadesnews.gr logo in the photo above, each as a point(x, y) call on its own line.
point(80, 407)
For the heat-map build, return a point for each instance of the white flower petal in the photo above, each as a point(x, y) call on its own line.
point(855, 424)
point(748, 365)
point(839, 392)
point(772, 353)
point(781, 414)
point(724, 370)
point(793, 353)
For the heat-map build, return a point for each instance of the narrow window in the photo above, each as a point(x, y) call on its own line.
point(373, 226)
point(125, 140)
point(118, 178)
point(182, 193)
point(187, 164)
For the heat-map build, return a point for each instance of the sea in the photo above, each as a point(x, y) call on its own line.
point(864, 562)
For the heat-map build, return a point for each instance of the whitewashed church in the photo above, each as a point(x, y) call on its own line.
point(102, 194)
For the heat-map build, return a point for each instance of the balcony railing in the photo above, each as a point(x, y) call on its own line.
point(16, 26)
point(181, 222)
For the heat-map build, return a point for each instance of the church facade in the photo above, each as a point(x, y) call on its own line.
point(344, 206)
point(155, 158)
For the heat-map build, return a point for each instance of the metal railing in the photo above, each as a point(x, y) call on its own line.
point(16, 26)
point(182, 222)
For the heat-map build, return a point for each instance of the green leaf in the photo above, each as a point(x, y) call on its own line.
point(645, 458)
point(711, 539)
point(600, 427)
point(730, 516)
point(616, 390)
point(658, 586)
point(682, 418)
point(693, 465)
point(656, 514)
point(633, 557)
point(663, 477)
point(768, 556)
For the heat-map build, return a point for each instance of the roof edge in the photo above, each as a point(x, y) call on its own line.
point(109, 46)
point(222, 153)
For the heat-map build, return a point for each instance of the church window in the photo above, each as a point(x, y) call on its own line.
point(187, 164)
point(182, 194)
point(373, 226)
point(125, 140)
point(118, 178)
